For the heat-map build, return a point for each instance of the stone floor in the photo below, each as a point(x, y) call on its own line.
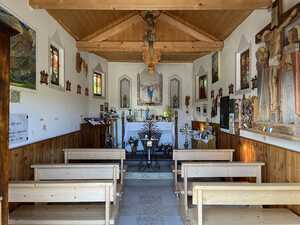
point(149, 202)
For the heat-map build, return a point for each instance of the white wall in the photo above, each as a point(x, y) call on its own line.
point(245, 31)
point(51, 112)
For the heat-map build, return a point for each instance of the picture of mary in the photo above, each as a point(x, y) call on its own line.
point(149, 88)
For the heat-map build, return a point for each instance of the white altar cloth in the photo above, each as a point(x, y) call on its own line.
point(133, 128)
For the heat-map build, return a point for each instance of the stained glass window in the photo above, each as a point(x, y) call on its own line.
point(98, 84)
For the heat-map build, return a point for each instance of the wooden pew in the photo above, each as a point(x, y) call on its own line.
point(232, 194)
point(199, 155)
point(48, 172)
point(62, 192)
point(97, 154)
point(216, 170)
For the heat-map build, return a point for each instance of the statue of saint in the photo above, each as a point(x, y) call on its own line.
point(263, 84)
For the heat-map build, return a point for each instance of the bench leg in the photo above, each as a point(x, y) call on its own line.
point(185, 192)
point(107, 205)
point(200, 208)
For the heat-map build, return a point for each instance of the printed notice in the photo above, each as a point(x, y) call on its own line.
point(18, 128)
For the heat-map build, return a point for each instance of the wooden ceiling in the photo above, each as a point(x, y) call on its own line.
point(192, 30)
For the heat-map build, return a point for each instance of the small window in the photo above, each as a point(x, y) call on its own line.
point(98, 84)
point(56, 67)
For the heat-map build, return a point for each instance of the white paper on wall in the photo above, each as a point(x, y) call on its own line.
point(18, 128)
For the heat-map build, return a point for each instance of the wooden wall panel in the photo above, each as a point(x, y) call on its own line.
point(47, 151)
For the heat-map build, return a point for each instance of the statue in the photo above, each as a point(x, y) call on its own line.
point(263, 84)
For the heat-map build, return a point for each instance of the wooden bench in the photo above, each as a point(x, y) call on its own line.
point(48, 172)
point(97, 154)
point(232, 194)
point(58, 193)
point(199, 155)
point(216, 170)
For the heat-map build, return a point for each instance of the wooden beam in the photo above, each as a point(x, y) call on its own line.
point(114, 28)
point(187, 28)
point(4, 117)
point(126, 46)
point(151, 4)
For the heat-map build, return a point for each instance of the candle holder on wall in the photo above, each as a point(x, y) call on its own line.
point(68, 85)
point(44, 77)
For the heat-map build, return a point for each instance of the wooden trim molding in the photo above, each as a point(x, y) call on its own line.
point(151, 4)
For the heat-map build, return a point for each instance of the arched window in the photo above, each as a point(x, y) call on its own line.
point(175, 92)
point(125, 92)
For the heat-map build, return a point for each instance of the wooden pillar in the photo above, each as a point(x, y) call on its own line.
point(176, 129)
point(5, 34)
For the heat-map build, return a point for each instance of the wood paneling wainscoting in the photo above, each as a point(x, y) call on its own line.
point(47, 151)
point(281, 165)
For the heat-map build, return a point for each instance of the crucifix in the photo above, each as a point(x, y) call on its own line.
point(273, 37)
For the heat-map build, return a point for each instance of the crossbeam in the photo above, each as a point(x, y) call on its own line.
point(127, 46)
point(151, 4)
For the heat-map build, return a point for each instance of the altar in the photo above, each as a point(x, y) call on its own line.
point(132, 129)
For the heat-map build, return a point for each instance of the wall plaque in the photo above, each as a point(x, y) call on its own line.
point(18, 128)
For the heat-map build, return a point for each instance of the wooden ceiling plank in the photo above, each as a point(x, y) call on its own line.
point(114, 28)
point(187, 28)
point(119, 46)
point(151, 4)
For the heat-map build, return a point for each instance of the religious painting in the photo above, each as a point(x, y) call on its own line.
point(22, 52)
point(247, 113)
point(174, 90)
point(215, 67)
point(125, 92)
point(245, 69)
point(149, 88)
point(243, 78)
point(201, 87)
point(54, 65)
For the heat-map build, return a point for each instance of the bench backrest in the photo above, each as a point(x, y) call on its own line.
point(60, 192)
point(222, 169)
point(95, 153)
point(203, 155)
point(246, 194)
point(77, 172)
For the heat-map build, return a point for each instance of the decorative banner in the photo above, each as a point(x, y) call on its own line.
point(18, 128)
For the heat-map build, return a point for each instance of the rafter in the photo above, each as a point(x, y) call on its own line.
point(114, 28)
point(187, 28)
point(151, 4)
point(180, 47)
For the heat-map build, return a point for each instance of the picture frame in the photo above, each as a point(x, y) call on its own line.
point(215, 66)
point(201, 87)
point(243, 71)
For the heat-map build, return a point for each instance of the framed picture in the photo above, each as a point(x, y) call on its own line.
point(215, 67)
point(125, 92)
point(175, 92)
point(22, 52)
point(149, 88)
point(201, 88)
point(243, 77)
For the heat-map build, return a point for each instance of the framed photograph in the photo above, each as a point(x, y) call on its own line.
point(215, 67)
